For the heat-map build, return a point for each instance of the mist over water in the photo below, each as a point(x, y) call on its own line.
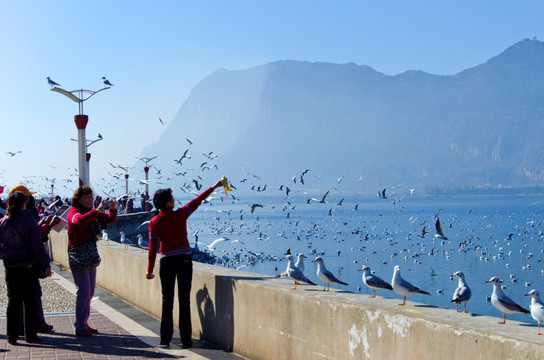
point(381, 234)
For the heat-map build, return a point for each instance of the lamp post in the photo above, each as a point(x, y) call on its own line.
point(126, 169)
point(146, 171)
point(81, 121)
point(87, 154)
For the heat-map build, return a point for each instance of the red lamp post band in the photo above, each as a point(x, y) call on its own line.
point(146, 170)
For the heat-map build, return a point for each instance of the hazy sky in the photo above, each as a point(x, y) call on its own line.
point(155, 52)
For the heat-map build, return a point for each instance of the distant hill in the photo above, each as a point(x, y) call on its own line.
point(481, 128)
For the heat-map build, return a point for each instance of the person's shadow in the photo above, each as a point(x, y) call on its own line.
point(217, 329)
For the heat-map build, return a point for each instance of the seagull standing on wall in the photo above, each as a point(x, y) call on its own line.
point(373, 281)
point(403, 287)
point(325, 275)
point(462, 293)
point(537, 308)
point(295, 274)
point(503, 302)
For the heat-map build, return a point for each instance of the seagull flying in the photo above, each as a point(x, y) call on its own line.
point(403, 287)
point(503, 302)
point(51, 82)
point(462, 293)
point(439, 234)
point(325, 275)
point(254, 206)
point(373, 281)
point(537, 308)
point(106, 82)
point(12, 154)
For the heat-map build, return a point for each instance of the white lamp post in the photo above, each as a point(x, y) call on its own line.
point(81, 123)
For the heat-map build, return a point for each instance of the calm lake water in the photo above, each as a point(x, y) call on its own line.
point(487, 236)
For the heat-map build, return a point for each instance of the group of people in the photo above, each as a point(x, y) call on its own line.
point(25, 258)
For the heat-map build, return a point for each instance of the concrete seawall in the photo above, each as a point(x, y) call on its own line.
point(260, 317)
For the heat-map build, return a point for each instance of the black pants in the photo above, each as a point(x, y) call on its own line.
point(180, 267)
point(40, 318)
point(21, 285)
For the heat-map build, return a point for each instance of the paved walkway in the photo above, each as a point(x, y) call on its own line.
point(124, 331)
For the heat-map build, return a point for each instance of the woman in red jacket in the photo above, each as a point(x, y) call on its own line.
point(83, 223)
point(169, 227)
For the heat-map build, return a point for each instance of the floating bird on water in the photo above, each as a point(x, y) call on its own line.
point(295, 274)
point(51, 82)
point(503, 302)
point(325, 275)
point(537, 308)
point(462, 293)
point(106, 82)
point(125, 240)
point(403, 287)
point(373, 281)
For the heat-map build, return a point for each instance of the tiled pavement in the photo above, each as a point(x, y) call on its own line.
point(124, 333)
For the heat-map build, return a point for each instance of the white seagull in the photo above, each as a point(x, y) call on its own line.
point(373, 281)
point(325, 275)
point(51, 82)
point(295, 274)
point(403, 287)
point(211, 246)
point(300, 262)
point(142, 243)
point(462, 293)
point(125, 240)
point(503, 302)
point(537, 308)
point(105, 237)
point(106, 82)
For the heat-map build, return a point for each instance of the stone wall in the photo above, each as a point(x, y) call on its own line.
point(260, 317)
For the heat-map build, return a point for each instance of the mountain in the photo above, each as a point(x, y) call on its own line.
point(480, 128)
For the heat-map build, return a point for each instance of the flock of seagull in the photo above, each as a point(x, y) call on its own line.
point(461, 295)
point(221, 224)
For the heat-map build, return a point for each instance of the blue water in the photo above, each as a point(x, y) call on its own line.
point(382, 234)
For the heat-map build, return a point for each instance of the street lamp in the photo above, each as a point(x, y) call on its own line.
point(146, 171)
point(126, 169)
point(88, 154)
point(81, 121)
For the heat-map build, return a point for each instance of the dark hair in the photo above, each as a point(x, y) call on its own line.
point(162, 197)
point(16, 201)
point(80, 191)
point(31, 207)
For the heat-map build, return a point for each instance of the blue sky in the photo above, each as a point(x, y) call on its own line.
point(155, 52)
